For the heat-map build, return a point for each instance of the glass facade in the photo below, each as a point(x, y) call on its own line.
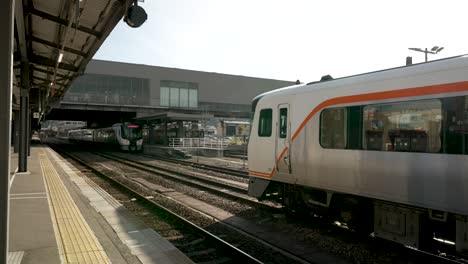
point(118, 90)
point(108, 89)
point(179, 94)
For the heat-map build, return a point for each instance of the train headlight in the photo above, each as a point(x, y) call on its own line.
point(140, 141)
point(126, 142)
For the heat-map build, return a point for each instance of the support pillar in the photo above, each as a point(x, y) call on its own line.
point(24, 110)
point(194, 131)
point(16, 131)
point(6, 79)
point(151, 134)
point(28, 130)
point(180, 129)
point(166, 139)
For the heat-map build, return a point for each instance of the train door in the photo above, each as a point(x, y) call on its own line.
point(283, 140)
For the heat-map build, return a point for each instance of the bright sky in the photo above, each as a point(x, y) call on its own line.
point(289, 40)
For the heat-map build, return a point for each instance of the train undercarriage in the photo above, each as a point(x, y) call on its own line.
point(411, 226)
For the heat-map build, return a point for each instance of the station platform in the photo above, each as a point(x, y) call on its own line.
point(58, 215)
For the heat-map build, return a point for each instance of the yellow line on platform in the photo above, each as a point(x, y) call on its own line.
point(76, 241)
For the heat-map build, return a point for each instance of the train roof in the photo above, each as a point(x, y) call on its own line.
point(327, 82)
point(79, 129)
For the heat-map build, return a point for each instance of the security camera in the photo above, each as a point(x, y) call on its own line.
point(135, 16)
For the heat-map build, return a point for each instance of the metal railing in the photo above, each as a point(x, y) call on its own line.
point(198, 143)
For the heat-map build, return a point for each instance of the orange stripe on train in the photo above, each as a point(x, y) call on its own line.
point(394, 94)
point(262, 174)
point(401, 93)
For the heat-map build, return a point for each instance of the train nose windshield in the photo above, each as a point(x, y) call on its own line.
point(131, 132)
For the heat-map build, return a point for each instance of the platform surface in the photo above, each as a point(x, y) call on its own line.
point(57, 215)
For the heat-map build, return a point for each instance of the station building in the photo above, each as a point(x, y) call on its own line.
point(174, 102)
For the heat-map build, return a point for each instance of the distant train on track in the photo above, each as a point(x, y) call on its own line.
point(385, 152)
point(124, 135)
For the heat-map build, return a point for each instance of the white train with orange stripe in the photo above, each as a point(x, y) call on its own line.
point(385, 151)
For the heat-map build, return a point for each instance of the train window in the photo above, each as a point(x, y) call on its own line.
point(265, 123)
point(354, 127)
point(408, 126)
point(333, 126)
point(456, 125)
point(283, 120)
point(131, 132)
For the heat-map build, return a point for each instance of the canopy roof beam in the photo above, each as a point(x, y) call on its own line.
point(44, 61)
point(56, 46)
point(64, 22)
point(51, 73)
point(48, 81)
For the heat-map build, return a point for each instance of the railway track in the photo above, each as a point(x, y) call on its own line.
point(414, 255)
point(220, 188)
point(199, 244)
point(430, 257)
point(209, 183)
point(208, 244)
point(228, 171)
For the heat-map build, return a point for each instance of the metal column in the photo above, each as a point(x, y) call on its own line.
point(150, 140)
point(16, 131)
point(180, 129)
point(28, 130)
point(6, 72)
point(24, 118)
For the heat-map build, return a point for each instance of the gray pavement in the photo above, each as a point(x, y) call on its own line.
point(32, 236)
point(31, 227)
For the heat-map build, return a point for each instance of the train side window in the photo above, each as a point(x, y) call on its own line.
point(354, 127)
point(283, 120)
point(333, 126)
point(455, 125)
point(406, 127)
point(265, 122)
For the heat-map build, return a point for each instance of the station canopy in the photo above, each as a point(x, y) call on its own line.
point(55, 40)
point(173, 116)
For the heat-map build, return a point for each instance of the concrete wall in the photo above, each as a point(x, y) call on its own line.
point(212, 87)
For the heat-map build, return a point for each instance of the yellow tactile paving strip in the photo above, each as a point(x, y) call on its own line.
point(76, 242)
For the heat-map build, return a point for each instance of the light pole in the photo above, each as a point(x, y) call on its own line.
point(434, 50)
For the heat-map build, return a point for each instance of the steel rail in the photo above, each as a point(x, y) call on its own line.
point(230, 249)
point(234, 172)
point(239, 194)
point(144, 166)
point(425, 256)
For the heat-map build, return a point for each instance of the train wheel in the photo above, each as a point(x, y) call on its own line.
point(290, 206)
point(357, 214)
point(294, 206)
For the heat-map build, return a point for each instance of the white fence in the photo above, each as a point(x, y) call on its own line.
point(198, 143)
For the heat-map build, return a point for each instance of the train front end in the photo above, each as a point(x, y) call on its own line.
point(131, 137)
